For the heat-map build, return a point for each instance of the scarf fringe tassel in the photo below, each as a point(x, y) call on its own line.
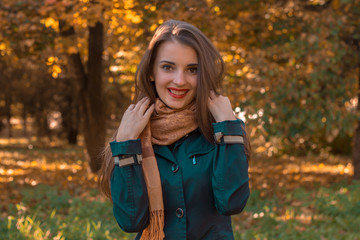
point(155, 229)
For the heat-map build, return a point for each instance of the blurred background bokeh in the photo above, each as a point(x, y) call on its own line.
point(67, 74)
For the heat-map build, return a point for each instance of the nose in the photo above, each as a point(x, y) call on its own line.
point(179, 78)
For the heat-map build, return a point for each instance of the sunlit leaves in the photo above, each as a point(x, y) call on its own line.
point(50, 22)
point(288, 54)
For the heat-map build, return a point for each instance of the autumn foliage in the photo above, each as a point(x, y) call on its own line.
point(66, 76)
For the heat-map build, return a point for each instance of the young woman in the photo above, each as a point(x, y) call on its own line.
point(177, 166)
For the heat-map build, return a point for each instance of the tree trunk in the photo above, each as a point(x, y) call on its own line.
point(92, 101)
point(70, 112)
point(73, 128)
point(356, 147)
point(89, 87)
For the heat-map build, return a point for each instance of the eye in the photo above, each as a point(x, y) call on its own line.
point(167, 67)
point(192, 70)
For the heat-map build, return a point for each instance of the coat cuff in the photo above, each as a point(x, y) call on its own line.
point(125, 148)
point(229, 131)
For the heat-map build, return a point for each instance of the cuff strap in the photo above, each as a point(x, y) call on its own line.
point(126, 161)
point(228, 139)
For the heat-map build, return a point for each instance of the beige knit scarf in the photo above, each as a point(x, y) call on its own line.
point(165, 127)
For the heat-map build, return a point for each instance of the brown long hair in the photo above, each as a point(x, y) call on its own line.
point(210, 75)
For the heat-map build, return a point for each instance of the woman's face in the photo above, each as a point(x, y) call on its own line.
point(175, 74)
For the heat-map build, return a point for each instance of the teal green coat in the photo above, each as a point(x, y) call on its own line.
point(203, 184)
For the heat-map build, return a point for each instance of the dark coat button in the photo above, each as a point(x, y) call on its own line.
point(179, 213)
point(175, 168)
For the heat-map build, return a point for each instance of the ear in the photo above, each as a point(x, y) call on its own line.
point(152, 79)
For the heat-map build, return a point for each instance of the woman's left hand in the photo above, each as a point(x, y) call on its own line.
point(220, 107)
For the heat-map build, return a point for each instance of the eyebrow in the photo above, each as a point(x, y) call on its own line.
point(172, 63)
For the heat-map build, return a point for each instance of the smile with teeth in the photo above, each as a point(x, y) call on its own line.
point(178, 93)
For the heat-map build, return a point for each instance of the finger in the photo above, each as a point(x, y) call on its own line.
point(149, 111)
point(131, 107)
point(139, 103)
point(209, 102)
point(144, 106)
point(212, 95)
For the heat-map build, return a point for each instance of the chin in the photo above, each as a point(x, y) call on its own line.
point(177, 105)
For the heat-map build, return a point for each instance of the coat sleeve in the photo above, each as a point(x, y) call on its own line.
point(128, 189)
point(230, 180)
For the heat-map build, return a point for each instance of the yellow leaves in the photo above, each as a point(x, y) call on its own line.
point(136, 19)
point(323, 120)
point(33, 163)
point(128, 4)
point(270, 28)
point(114, 68)
point(119, 29)
point(139, 32)
point(115, 12)
point(2, 46)
point(5, 49)
point(153, 27)
point(72, 50)
point(244, 70)
point(228, 58)
point(260, 149)
point(78, 20)
point(50, 23)
point(150, 7)
point(119, 54)
point(56, 70)
point(51, 60)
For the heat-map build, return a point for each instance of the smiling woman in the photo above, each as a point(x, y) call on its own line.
point(175, 74)
point(177, 167)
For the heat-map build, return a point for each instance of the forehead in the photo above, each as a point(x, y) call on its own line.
point(176, 52)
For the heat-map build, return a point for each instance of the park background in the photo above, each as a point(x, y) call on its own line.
point(293, 72)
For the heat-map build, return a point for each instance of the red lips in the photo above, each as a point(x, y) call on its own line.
point(178, 93)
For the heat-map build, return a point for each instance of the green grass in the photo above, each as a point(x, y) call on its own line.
point(324, 213)
point(47, 212)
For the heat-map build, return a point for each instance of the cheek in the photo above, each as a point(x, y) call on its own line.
point(194, 82)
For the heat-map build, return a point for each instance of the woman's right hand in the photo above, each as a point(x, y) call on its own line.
point(135, 119)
